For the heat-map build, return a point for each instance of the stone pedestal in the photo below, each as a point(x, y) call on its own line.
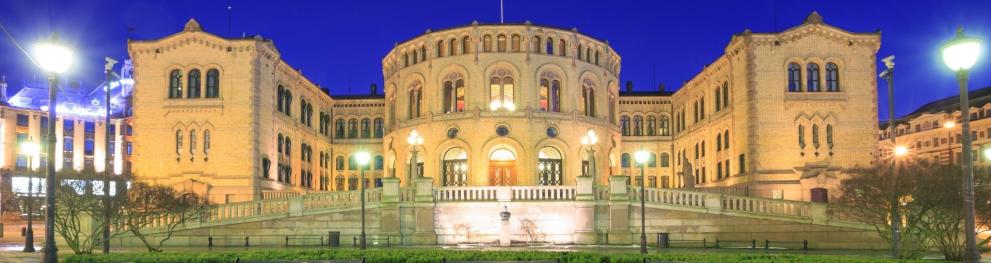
point(423, 210)
point(389, 211)
point(505, 231)
point(619, 211)
point(584, 211)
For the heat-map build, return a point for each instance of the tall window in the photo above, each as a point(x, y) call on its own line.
point(665, 162)
point(192, 141)
point(414, 100)
point(637, 125)
point(815, 136)
point(813, 75)
point(501, 43)
point(466, 45)
point(832, 77)
point(454, 93)
point(213, 83)
point(487, 43)
point(550, 46)
point(550, 92)
point(536, 44)
point(455, 167)
point(588, 97)
point(624, 125)
point(175, 84)
point(379, 127)
point(801, 136)
point(651, 128)
point(624, 160)
point(178, 142)
point(725, 96)
point(193, 82)
point(366, 130)
point(550, 168)
point(279, 100)
point(665, 126)
point(562, 47)
point(794, 77)
point(515, 45)
point(206, 141)
point(719, 99)
point(352, 128)
point(339, 129)
point(451, 44)
point(501, 91)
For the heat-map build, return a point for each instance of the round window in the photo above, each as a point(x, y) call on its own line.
point(452, 133)
point(551, 132)
point(502, 130)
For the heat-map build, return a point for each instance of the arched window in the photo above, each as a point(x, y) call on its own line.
point(353, 163)
point(287, 102)
point(279, 100)
point(725, 95)
point(352, 128)
point(178, 142)
point(213, 83)
point(339, 129)
point(637, 125)
point(580, 50)
point(832, 77)
point(501, 43)
point(719, 99)
point(652, 160)
point(562, 47)
point(664, 160)
point(455, 167)
point(588, 97)
point(624, 125)
point(665, 126)
point(288, 145)
point(406, 60)
point(415, 98)
point(192, 141)
point(206, 141)
point(501, 91)
point(829, 136)
point(550, 92)
point(379, 127)
point(726, 141)
point(651, 126)
point(550, 167)
point(549, 46)
point(454, 93)
point(719, 142)
point(281, 143)
point(588, 54)
point(416, 56)
point(801, 136)
point(439, 50)
point(813, 76)
point(536, 44)
point(487, 43)
point(451, 44)
point(466, 45)
point(515, 45)
point(175, 84)
point(423, 53)
point(339, 163)
point(794, 77)
point(379, 163)
point(193, 84)
point(815, 136)
point(596, 57)
point(366, 129)
point(624, 160)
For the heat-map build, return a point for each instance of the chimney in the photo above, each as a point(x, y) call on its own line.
point(660, 87)
point(375, 89)
point(629, 86)
point(3, 88)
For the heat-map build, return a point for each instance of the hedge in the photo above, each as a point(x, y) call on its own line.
point(437, 255)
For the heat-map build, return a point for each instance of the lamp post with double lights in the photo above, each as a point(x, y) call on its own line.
point(589, 141)
point(31, 149)
point(362, 158)
point(960, 54)
point(414, 139)
point(888, 75)
point(642, 157)
point(54, 58)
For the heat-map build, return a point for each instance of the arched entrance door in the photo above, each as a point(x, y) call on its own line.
point(502, 167)
point(455, 167)
point(549, 167)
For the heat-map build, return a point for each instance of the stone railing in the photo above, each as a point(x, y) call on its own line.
point(239, 210)
point(280, 194)
point(340, 199)
point(504, 193)
point(669, 197)
point(407, 194)
point(765, 206)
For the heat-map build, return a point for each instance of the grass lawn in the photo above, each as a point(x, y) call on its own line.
point(433, 255)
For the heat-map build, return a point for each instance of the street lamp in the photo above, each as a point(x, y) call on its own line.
point(589, 141)
point(900, 151)
point(413, 139)
point(960, 54)
point(949, 137)
point(889, 76)
point(30, 149)
point(362, 158)
point(53, 58)
point(642, 156)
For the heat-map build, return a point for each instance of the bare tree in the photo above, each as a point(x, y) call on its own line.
point(152, 213)
point(79, 209)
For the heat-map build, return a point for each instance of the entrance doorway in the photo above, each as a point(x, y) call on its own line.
point(502, 168)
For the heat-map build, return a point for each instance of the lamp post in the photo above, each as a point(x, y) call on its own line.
point(888, 75)
point(960, 54)
point(54, 59)
point(362, 158)
point(589, 141)
point(30, 149)
point(642, 157)
point(949, 139)
point(413, 139)
point(108, 69)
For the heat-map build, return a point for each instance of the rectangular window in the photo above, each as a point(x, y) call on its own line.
point(742, 164)
point(89, 127)
point(44, 125)
point(22, 120)
point(129, 148)
point(67, 143)
point(88, 146)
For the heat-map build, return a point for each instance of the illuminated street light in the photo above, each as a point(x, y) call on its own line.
point(949, 125)
point(641, 157)
point(589, 141)
point(413, 139)
point(362, 158)
point(53, 58)
point(901, 151)
point(987, 153)
point(30, 149)
point(960, 54)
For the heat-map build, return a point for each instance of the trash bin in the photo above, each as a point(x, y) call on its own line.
point(334, 238)
point(663, 240)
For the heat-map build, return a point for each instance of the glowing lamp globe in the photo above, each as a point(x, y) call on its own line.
point(53, 57)
point(961, 52)
point(29, 148)
point(949, 125)
point(362, 158)
point(901, 151)
point(641, 156)
point(987, 154)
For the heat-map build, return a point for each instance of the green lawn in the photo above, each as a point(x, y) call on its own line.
point(437, 255)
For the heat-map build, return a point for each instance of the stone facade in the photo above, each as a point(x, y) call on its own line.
point(508, 104)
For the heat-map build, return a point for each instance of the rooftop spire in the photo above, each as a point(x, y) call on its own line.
point(813, 18)
point(192, 26)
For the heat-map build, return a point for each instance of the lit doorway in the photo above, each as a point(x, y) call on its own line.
point(502, 168)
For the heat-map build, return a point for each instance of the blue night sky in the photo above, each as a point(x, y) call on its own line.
point(340, 44)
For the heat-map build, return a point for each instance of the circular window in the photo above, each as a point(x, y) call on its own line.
point(502, 130)
point(452, 133)
point(551, 132)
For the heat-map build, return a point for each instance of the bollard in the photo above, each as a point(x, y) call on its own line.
point(287, 241)
point(805, 245)
point(753, 244)
point(209, 241)
point(246, 241)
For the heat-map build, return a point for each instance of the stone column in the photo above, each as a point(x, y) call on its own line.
point(389, 212)
point(505, 231)
point(584, 211)
point(619, 211)
point(424, 233)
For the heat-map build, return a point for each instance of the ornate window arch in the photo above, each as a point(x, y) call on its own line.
point(515, 43)
point(588, 97)
point(501, 43)
point(415, 99)
point(379, 127)
point(562, 47)
point(501, 89)
point(813, 77)
point(212, 83)
point(665, 125)
point(175, 84)
point(794, 77)
point(454, 93)
point(352, 128)
point(439, 50)
point(550, 92)
point(451, 44)
point(651, 128)
point(536, 44)
point(550, 166)
point(624, 125)
point(339, 129)
point(637, 125)
point(366, 129)
point(832, 77)
point(455, 167)
point(487, 43)
point(549, 46)
point(466, 45)
point(193, 83)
